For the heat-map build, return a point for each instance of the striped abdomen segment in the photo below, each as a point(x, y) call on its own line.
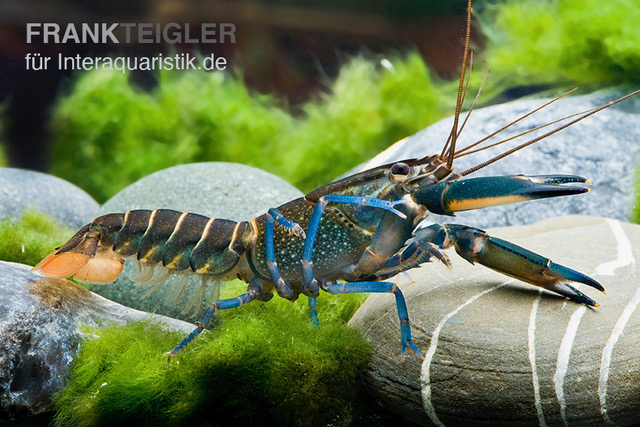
point(179, 240)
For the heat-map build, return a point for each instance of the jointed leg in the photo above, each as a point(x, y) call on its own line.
point(253, 292)
point(285, 290)
point(413, 255)
point(310, 285)
point(308, 281)
point(383, 287)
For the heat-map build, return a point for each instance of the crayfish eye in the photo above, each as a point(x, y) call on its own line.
point(399, 171)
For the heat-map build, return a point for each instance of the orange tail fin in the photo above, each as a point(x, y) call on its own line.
point(99, 269)
point(61, 265)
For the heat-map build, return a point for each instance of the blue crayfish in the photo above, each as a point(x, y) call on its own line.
point(348, 236)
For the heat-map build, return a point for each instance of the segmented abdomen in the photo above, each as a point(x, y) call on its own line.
point(177, 240)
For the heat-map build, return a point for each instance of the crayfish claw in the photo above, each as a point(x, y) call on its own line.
point(298, 231)
point(573, 294)
point(475, 245)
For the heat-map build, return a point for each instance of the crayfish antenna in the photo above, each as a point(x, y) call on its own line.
point(583, 115)
point(467, 150)
point(450, 146)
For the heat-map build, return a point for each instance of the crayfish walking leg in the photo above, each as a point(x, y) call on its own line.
point(310, 284)
point(383, 287)
point(253, 291)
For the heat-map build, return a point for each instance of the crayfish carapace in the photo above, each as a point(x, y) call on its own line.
point(348, 236)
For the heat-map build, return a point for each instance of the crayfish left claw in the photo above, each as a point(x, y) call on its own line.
point(559, 275)
point(475, 245)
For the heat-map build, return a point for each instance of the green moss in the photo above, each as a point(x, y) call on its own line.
point(635, 210)
point(31, 238)
point(368, 109)
point(264, 364)
point(3, 157)
point(109, 134)
point(576, 42)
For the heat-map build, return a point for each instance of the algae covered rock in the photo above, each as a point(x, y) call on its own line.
point(499, 351)
point(22, 190)
point(603, 148)
point(39, 334)
point(215, 189)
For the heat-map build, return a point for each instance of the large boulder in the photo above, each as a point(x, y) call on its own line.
point(40, 320)
point(215, 189)
point(602, 148)
point(21, 190)
point(500, 352)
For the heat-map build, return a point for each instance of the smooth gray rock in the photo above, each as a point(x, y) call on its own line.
point(602, 148)
point(22, 189)
point(39, 334)
point(215, 189)
point(501, 352)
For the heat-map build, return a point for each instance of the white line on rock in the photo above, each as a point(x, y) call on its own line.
point(531, 342)
point(425, 378)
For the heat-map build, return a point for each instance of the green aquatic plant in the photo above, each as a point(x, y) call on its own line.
point(635, 210)
point(562, 42)
point(31, 238)
point(110, 133)
point(263, 363)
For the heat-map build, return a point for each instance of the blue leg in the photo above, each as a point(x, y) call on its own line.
point(383, 287)
point(309, 284)
point(284, 289)
point(367, 201)
point(308, 281)
point(414, 255)
point(253, 292)
point(313, 312)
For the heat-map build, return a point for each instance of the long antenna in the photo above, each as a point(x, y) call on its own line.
point(513, 123)
point(558, 129)
point(475, 101)
point(454, 130)
point(464, 95)
point(464, 152)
